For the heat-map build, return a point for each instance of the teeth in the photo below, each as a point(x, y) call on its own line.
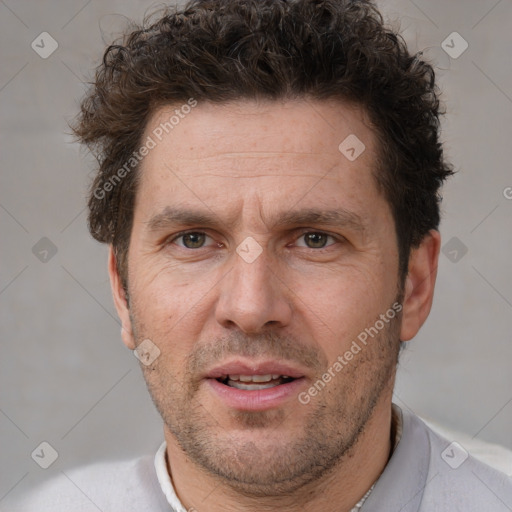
point(253, 382)
point(253, 378)
point(261, 378)
point(251, 387)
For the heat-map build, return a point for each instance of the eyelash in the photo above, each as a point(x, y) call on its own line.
point(335, 238)
point(184, 233)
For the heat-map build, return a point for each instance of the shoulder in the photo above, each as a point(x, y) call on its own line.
point(457, 480)
point(114, 486)
point(491, 454)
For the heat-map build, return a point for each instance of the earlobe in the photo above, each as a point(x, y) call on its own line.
point(419, 285)
point(120, 301)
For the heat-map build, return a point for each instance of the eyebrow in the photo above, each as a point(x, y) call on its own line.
point(339, 217)
point(182, 216)
point(336, 218)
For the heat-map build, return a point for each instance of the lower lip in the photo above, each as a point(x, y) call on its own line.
point(257, 399)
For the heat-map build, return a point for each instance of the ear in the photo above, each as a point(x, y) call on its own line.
point(120, 301)
point(419, 285)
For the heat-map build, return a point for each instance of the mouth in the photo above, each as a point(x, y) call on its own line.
point(255, 386)
point(254, 382)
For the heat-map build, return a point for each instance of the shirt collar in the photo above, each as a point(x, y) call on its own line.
point(165, 480)
point(401, 484)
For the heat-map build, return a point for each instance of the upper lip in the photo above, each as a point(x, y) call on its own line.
point(245, 367)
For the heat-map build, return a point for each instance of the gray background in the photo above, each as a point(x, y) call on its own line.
point(65, 376)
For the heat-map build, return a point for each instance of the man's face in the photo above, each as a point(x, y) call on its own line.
point(259, 251)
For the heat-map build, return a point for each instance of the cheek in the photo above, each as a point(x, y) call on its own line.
point(163, 293)
point(339, 308)
point(170, 309)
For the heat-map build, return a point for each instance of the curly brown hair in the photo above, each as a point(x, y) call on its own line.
point(225, 50)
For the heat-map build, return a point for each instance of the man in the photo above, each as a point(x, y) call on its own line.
point(268, 182)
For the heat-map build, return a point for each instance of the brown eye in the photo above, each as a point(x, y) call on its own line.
point(316, 240)
point(192, 240)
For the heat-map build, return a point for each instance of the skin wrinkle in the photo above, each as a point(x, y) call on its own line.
point(200, 174)
point(340, 218)
point(259, 153)
point(265, 222)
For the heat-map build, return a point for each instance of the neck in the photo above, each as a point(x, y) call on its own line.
point(338, 491)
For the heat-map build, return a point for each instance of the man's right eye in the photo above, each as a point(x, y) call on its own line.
point(191, 240)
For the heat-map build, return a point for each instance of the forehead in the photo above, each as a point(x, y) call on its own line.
point(266, 153)
point(301, 127)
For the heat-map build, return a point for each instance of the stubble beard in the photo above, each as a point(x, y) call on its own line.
point(274, 466)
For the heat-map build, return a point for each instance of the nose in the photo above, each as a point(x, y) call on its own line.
point(253, 297)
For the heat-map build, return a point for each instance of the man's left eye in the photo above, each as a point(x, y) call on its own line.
point(315, 240)
point(192, 240)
